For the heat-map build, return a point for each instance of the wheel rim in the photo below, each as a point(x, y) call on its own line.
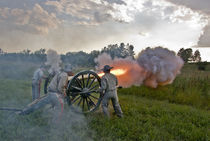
point(83, 91)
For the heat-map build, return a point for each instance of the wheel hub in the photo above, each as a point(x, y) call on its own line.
point(85, 92)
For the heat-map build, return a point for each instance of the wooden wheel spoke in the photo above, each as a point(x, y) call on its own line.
point(75, 100)
point(95, 86)
point(88, 80)
point(94, 91)
point(77, 88)
point(91, 82)
point(91, 101)
point(79, 82)
point(83, 104)
point(87, 104)
point(94, 97)
point(79, 102)
point(83, 81)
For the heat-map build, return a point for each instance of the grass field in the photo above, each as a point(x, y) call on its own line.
point(179, 111)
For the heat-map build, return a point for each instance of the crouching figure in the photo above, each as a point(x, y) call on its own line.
point(56, 93)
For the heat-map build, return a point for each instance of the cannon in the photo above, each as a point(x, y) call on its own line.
point(82, 91)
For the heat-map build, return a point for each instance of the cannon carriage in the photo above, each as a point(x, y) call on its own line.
point(82, 91)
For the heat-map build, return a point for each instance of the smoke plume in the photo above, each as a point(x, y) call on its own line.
point(152, 67)
point(134, 73)
point(54, 61)
point(161, 64)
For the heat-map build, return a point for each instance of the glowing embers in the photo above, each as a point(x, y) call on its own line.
point(116, 72)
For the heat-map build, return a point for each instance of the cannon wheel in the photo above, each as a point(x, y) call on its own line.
point(83, 91)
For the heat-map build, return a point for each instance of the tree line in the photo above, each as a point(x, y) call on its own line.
point(81, 58)
point(84, 59)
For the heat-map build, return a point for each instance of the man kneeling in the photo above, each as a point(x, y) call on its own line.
point(56, 93)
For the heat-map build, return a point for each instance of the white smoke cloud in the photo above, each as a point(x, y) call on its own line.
point(54, 61)
point(153, 67)
point(162, 65)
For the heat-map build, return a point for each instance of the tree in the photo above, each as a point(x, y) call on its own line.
point(180, 52)
point(26, 52)
point(40, 54)
point(40, 51)
point(121, 51)
point(197, 56)
point(131, 50)
point(186, 54)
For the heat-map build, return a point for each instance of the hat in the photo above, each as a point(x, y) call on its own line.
point(107, 68)
point(68, 68)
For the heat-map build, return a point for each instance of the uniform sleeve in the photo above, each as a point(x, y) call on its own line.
point(62, 84)
point(103, 84)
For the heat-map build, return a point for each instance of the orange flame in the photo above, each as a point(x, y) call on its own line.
point(116, 72)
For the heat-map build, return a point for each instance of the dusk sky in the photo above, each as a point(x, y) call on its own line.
point(75, 25)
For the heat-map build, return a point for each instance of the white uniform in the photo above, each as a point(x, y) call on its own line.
point(109, 83)
point(58, 83)
point(56, 90)
point(36, 83)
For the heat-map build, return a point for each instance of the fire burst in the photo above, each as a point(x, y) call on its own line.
point(116, 72)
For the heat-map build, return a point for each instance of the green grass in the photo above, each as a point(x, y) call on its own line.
point(178, 112)
point(153, 120)
point(190, 88)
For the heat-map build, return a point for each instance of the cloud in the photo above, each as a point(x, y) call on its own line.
point(204, 38)
point(88, 12)
point(198, 5)
point(73, 25)
point(36, 20)
point(201, 6)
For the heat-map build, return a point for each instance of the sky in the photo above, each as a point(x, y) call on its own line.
point(86, 25)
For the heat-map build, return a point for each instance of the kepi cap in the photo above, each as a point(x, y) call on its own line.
point(107, 68)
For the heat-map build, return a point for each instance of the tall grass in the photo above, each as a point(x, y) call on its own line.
point(178, 112)
point(190, 87)
point(152, 120)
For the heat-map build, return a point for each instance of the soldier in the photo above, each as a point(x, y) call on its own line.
point(36, 82)
point(109, 84)
point(56, 93)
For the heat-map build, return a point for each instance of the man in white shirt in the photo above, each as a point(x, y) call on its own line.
point(55, 96)
point(36, 82)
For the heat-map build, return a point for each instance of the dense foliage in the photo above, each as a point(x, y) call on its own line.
point(188, 56)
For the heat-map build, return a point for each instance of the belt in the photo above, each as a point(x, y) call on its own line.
point(111, 90)
point(52, 91)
